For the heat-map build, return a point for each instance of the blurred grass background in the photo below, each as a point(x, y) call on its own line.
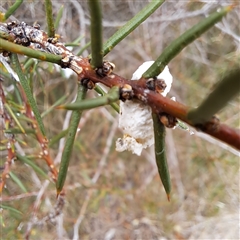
point(128, 200)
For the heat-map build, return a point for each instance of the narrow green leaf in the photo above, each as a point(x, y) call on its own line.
point(131, 25)
point(18, 98)
point(60, 100)
point(18, 182)
point(49, 14)
point(160, 153)
point(14, 210)
point(32, 165)
point(5, 74)
point(14, 48)
point(75, 43)
point(224, 91)
point(76, 116)
point(29, 64)
point(14, 117)
point(12, 9)
point(59, 16)
point(83, 48)
point(27, 90)
point(1, 217)
point(72, 44)
point(15, 106)
point(96, 33)
point(18, 131)
point(112, 96)
point(114, 105)
point(185, 39)
point(56, 138)
point(20, 141)
point(23, 117)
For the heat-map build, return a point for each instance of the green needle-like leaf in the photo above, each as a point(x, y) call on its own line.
point(60, 100)
point(27, 90)
point(75, 43)
point(14, 210)
point(50, 23)
point(56, 138)
point(224, 91)
point(14, 48)
point(160, 153)
point(32, 164)
point(112, 96)
point(12, 9)
point(114, 105)
point(14, 117)
point(131, 25)
point(18, 131)
point(83, 48)
point(185, 39)
point(76, 116)
point(59, 16)
point(18, 182)
point(96, 33)
point(29, 64)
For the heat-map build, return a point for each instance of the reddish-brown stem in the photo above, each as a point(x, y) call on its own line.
point(43, 142)
point(159, 103)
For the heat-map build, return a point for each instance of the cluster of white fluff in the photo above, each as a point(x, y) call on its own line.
point(135, 118)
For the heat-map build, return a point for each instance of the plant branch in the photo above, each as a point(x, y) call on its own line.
point(159, 103)
point(83, 69)
point(14, 48)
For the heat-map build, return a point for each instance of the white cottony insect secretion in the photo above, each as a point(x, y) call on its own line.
point(135, 118)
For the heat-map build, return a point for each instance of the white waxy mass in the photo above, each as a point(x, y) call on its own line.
point(135, 118)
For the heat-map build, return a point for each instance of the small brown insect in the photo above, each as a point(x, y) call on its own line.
point(53, 40)
point(157, 85)
point(211, 126)
point(106, 69)
point(167, 120)
point(87, 83)
point(65, 62)
point(126, 92)
point(36, 26)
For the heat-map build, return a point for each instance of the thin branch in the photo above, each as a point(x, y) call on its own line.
point(158, 103)
point(14, 48)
